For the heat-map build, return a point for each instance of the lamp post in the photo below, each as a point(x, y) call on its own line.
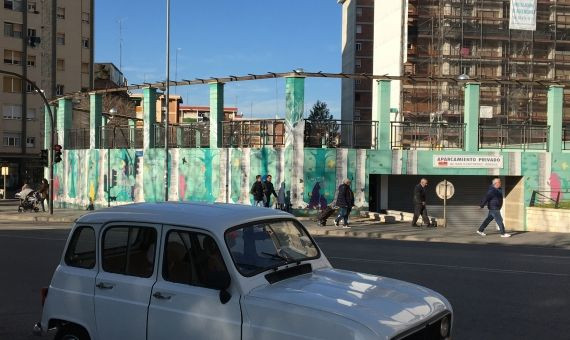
point(167, 100)
point(112, 113)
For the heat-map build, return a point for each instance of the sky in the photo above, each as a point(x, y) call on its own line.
point(215, 38)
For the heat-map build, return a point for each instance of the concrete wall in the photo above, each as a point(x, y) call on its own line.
point(543, 219)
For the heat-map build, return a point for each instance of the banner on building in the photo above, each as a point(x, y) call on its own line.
point(523, 15)
point(468, 161)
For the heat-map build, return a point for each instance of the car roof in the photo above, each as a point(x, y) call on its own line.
point(216, 217)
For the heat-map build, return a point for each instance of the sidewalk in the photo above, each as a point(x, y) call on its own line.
point(361, 228)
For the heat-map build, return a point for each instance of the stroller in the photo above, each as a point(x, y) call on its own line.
point(29, 200)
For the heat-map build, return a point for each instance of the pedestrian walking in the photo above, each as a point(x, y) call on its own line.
point(345, 201)
point(257, 192)
point(420, 208)
point(44, 192)
point(268, 190)
point(494, 202)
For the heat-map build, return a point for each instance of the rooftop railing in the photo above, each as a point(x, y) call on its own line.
point(508, 136)
point(566, 138)
point(253, 133)
point(430, 136)
point(358, 134)
point(121, 137)
point(189, 135)
point(77, 139)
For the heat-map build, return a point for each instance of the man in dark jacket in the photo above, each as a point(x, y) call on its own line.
point(268, 190)
point(345, 201)
point(257, 192)
point(494, 202)
point(420, 203)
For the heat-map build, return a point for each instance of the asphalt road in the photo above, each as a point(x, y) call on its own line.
point(498, 292)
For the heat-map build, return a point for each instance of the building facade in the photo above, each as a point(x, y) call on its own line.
point(51, 43)
point(452, 38)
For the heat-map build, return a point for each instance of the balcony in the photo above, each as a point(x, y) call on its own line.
point(509, 136)
point(427, 136)
point(357, 134)
point(253, 133)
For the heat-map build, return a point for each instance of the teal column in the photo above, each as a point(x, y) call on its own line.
point(216, 114)
point(294, 100)
point(382, 115)
point(149, 117)
point(179, 136)
point(47, 127)
point(471, 116)
point(63, 121)
point(554, 119)
point(132, 130)
point(95, 114)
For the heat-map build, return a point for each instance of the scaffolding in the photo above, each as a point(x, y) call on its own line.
point(449, 38)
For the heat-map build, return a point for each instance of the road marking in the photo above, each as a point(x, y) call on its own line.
point(479, 269)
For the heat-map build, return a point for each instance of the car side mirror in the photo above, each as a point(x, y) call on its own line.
point(222, 283)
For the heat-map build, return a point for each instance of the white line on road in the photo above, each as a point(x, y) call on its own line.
point(479, 269)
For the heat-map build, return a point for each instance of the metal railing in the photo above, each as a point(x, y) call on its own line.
point(253, 133)
point(566, 138)
point(550, 199)
point(358, 134)
point(191, 135)
point(508, 136)
point(431, 136)
point(121, 137)
point(77, 139)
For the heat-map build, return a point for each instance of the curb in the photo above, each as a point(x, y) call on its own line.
point(40, 218)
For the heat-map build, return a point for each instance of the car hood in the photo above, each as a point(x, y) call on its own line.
point(386, 306)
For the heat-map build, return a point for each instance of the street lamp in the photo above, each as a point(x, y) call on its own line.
point(463, 77)
point(167, 100)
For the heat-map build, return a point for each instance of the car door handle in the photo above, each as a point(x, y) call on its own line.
point(103, 285)
point(161, 296)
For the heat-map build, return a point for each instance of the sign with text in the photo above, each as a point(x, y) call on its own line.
point(468, 161)
point(523, 15)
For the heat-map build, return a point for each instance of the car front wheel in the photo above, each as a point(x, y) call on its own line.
point(69, 332)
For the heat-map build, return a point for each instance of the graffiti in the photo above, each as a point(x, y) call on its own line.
point(317, 200)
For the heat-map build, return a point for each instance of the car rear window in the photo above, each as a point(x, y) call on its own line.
point(81, 250)
point(129, 250)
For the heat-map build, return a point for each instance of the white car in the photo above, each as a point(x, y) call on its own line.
point(216, 271)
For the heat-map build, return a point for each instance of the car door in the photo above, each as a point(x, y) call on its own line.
point(185, 303)
point(124, 283)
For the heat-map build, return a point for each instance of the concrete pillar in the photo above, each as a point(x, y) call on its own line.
point(216, 114)
point(132, 133)
point(382, 115)
point(294, 100)
point(179, 136)
point(63, 121)
point(95, 114)
point(471, 116)
point(294, 140)
point(149, 117)
point(554, 119)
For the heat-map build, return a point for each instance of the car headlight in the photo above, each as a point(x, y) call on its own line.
point(445, 327)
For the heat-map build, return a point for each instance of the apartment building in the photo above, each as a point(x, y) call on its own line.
point(51, 43)
point(453, 38)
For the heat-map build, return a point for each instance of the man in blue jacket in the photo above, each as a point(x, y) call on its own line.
point(494, 201)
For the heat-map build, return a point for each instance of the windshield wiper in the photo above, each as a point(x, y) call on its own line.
point(276, 256)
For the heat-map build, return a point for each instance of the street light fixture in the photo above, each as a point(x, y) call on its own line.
point(167, 100)
point(463, 77)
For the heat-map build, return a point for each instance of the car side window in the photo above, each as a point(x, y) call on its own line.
point(129, 250)
point(81, 250)
point(192, 258)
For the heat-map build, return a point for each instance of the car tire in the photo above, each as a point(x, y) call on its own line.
point(71, 332)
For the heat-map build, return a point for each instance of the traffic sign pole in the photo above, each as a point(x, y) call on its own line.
point(445, 206)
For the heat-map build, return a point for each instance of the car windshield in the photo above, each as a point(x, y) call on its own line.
point(267, 245)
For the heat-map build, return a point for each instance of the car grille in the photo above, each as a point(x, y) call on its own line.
point(429, 330)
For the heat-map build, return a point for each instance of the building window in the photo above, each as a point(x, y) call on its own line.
point(357, 97)
point(358, 46)
point(12, 111)
point(11, 139)
point(32, 6)
point(358, 63)
point(29, 88)
point(32, 32)
point(356, 114)
point(31, 115)
point(60, 64)
point(84, 67)
point(30, 142)
point(60, 39)
point(15, 5)
point(85, 17)
point(359, 11)
point(358, 29)
point(61, 13)
point(357, 81)
point(85, 42)
point(12, 85)
point(59, 90)
point(12, 57)
point(31, 60)
point(13, 30)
